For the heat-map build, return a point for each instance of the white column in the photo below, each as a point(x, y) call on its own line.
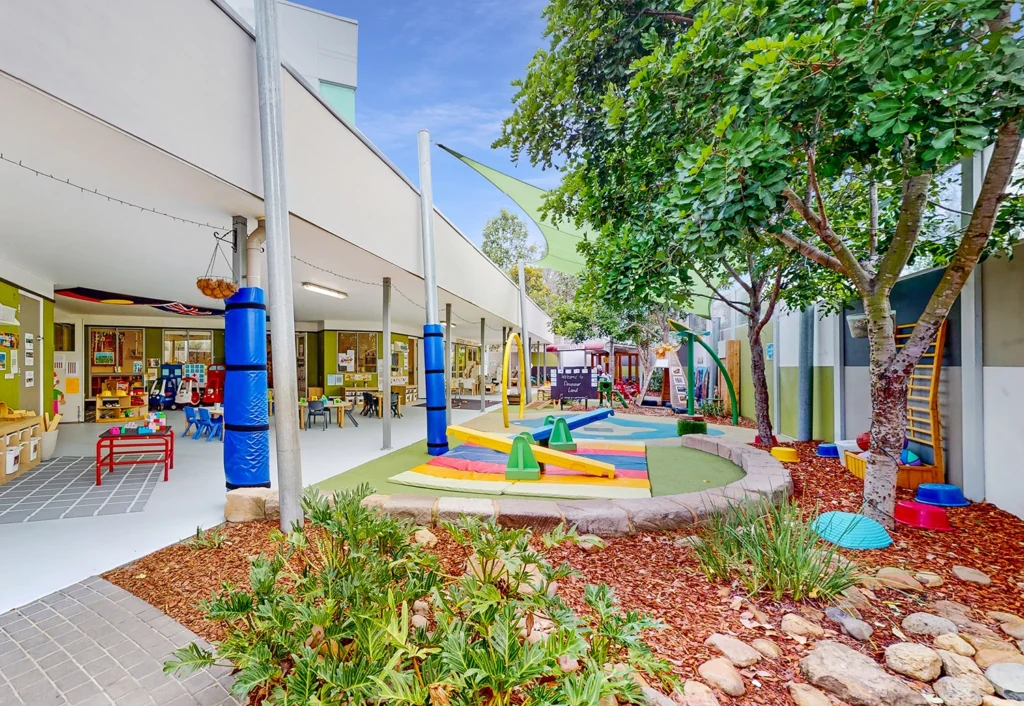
point(279, 265)
point(385, 412)
point(448, 363)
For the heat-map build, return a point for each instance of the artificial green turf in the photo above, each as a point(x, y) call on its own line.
point(678, 469)
point(671, 469)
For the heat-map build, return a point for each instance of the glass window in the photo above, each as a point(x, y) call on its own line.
point(182, 346)
point(64, 337)
point(412, 360)
point(357, 352)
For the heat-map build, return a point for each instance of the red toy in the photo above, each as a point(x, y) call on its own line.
point(864, 441)
point(922, 516)
point(213, 393)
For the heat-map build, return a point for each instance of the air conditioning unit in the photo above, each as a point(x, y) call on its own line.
point(8, 316)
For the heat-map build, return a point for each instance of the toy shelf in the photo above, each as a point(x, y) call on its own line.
point(20, 446)
point(117, 410)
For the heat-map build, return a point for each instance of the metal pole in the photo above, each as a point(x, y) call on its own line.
point(805, 377)
point(483, 364)
point(240, 225)
point(386, 401)
point(437, 428)
point(427, 225)
point(279, 261)
point(716, 334)
point(524, 375)
point(448, 363)
point(690, 376)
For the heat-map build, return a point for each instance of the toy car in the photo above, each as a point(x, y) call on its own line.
point(165, 388)
point(214, 391)
point(188, 393)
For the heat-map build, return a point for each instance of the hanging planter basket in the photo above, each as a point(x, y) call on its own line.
point(214, 286)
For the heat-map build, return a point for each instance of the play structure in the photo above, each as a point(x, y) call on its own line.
point(688, 338)
point(608, 394)
point(543, 461)
point(924, 426)
point(505, 363)
point(213, 393)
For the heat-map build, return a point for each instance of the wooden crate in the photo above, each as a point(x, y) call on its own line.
point(907, 477)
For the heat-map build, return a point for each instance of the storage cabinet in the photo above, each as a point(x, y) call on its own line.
point(19, 446)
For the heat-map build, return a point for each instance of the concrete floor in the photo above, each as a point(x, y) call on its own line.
point(45, 556)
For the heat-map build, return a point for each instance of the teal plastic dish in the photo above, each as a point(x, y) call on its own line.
point(851, 531)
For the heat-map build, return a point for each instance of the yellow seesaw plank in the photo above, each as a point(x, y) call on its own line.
point(543, 454)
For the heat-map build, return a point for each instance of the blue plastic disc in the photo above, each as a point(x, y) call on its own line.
point(828, 451)
point(941, 494)
point(851, 531)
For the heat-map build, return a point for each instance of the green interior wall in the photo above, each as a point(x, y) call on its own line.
point(45, 374)
point(314, 357)
point(823, 423)
point(153, 344)
point(9, 391)
point(329, 346)
point(218, 347)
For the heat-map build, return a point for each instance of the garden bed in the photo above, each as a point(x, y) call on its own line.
point(658, 574)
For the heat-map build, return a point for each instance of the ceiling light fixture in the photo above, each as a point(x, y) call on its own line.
point(453, 324)
point(326, 291)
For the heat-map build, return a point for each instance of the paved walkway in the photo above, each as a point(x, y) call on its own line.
point(93, 643)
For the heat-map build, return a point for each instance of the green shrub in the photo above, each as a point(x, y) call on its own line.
point(711, 408)
point(688, 426)
point(326, 620)
point(772, 549)
point(211, 539)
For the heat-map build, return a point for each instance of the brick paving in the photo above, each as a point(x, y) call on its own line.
point(94, 644)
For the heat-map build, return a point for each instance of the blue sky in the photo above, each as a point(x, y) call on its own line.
point(447, 67)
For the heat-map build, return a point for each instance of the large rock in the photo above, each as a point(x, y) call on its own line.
point(966, 573)
point(455, 508)
point(767, 647)
point(796, 625)
point(246, 504)
point(928, 624)
point(891, 577)
point(736, 651)
point(1008, 680)
point(807, 695)
point(913, 660)
point(695, 693)
point(954, 665)
point(855, 678)
point(988, 656)
point(720, 673)
point(996, 701)
point(955, 691)
point(954, 643)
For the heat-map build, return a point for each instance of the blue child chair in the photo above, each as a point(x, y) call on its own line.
point(204, 423)
point(190, 420)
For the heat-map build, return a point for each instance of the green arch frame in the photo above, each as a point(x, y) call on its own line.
point(689, 336)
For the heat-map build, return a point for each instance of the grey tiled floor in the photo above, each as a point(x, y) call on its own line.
point(95, 644)
point(65, 486)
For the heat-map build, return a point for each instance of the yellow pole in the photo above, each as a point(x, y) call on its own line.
point(506, 360)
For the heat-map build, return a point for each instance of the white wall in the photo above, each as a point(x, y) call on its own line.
point(1004, 442)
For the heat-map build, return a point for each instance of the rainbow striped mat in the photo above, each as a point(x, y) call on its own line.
point(474, 469)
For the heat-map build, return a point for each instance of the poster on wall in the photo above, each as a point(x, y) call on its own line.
point(30, 343)
point(8, 340)
point(347, 361)
point(103, 358)
point(3, 361)
point(137, 366)
point(153, 363)
point(30, 378)
point(14, 361)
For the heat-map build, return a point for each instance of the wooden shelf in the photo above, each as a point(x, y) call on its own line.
point(20, 431)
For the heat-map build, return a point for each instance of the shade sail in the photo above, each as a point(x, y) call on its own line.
point(561, 240)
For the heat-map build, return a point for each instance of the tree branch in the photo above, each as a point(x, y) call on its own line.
point(728, 302)
point(673, 17)
point(736, 276)
point(810, 252)
point(844, 258)
point(908, 228)
point(993, 192)
point(773, 299)
point(873, 239)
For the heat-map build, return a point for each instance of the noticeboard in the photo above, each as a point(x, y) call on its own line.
point(574, 384)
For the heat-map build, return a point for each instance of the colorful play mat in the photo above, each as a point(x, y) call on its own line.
point(619, 429)
point(474, 469)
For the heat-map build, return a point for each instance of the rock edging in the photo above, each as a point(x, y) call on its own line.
point(765, 477)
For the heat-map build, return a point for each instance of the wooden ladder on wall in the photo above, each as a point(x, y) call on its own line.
point(924, 423)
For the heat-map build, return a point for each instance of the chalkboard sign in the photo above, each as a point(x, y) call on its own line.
point(574, 384)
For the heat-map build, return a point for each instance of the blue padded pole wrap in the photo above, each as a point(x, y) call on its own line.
point(433, 364)
point(246, 417)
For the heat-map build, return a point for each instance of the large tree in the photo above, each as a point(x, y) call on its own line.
point(787, 102)
point(506, 241)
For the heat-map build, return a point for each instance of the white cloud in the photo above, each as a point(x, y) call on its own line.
point(465, 125)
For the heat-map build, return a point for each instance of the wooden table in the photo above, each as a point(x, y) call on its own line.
point(342, 409)
point(109, 445)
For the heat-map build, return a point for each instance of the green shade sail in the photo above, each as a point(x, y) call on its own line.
point(561, 254)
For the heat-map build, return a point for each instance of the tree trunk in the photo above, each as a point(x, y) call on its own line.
point(764, 422)
point(888, 413)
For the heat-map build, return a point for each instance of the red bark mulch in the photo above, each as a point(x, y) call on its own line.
point(656, 574)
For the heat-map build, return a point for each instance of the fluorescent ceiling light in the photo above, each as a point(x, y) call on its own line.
point(327, 291)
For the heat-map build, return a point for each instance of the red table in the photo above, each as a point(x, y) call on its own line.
point(109, 445)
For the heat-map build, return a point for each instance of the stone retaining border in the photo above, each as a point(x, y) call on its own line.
point(765, 477)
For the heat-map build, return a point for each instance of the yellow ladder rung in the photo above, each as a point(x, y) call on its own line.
point(917, 398)
point(920, 441)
